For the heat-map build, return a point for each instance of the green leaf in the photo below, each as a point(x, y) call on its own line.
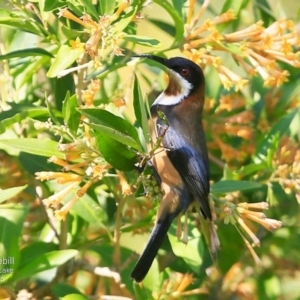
point(9, 193)
point(35, 250)
point(288, 124)
point(113, 127)
point(53, 4)
point(70, 113)
point(71, 33)
point(64, 58)
point(236, 6)
point(251, 168)
point(274, 144)
point(12, 257)
point(115, 153)
point(90, 211)
point(89, 8)
point(33, 163)
point(63, 289)
point(178, 5)
point(27, 112)
point(264, 12)
point(142, 40)
point(60, 87)
point(116, 135)
point(232, 4)
point(141, 292)
point(228, 186)
point(23, 24)
point(188, 251)
point(26, 53)
point(12, 217)
point(152, 279)
point(106, 7)
point(140, 109)
point(110, 85)
point(166, 27)
point(40, 147)
point(178, 20)
point(123, 22)
point(45, 262)
point(75, 297)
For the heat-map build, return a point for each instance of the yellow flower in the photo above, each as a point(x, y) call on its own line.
point(227, 83)
point(82, 191)
point(260, 47)
point(56, 198)
point(64, 12)
point(77, 44)
point(258, 217)
point(62, 213)
point(253, 237)
point(250, 33)
point(231, 102)
point(60, 177)
point(256, 205)
point(232, 77)
point(123, 5)
point(125, 187)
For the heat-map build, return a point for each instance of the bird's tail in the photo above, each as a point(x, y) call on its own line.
point(156, 238)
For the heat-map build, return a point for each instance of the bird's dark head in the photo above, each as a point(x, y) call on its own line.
point(186, 80)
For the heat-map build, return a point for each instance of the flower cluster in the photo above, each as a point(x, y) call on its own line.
point(102, 34)
point(240, 215)
point(81, 165)
point(88, 95)
point(256, 48)
point(286, 163)
point(176, 287)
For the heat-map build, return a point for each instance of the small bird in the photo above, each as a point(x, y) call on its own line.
point(183, 165)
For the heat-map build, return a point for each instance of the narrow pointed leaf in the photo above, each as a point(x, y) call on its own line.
point(22, 24)
point(64, 58)
point(40, 147)
point(121, 24)
point(113, 127)
point(228, 186)
point(116, 135)
point(70, 113)
point(178, 20)
point(27, 112)
point(9, 193)
point(45, 262)
point(142, 40)
point(288, 124)
point(12, 217)
point(115, 153)
point(26, 53)
point(106, 7)
point(140, 109)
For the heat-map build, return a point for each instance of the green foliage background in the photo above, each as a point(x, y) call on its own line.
point(58, 258)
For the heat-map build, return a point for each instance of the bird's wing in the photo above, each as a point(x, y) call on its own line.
point(191, 166)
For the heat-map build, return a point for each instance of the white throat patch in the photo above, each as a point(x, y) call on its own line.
point(186, 87)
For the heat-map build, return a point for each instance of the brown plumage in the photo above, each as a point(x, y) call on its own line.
point(183, 164)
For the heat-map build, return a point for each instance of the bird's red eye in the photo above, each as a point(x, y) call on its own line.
point(184, 72)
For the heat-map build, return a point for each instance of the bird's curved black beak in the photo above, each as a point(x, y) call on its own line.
point(159, 59)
